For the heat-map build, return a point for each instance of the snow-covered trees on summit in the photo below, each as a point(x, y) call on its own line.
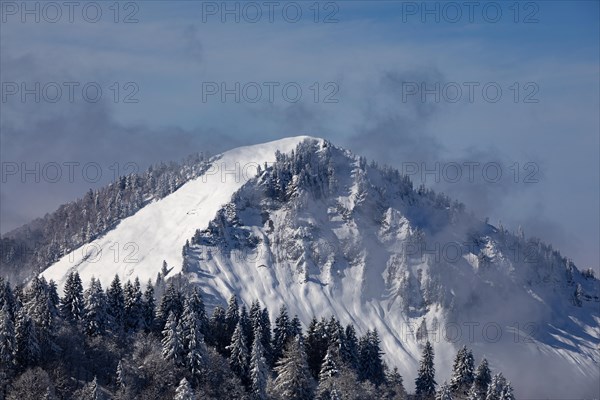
point(83, 352)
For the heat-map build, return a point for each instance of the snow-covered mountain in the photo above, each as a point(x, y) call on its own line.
point(302, 222)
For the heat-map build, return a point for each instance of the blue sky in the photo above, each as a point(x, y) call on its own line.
point(364, 61)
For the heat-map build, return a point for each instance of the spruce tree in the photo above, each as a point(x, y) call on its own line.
point(349, 351)
point(259, 371)
point(316, 346)
point(95, 314)
point(184, 391)
point(232, 315)
point(197, 304)
point(281, 333)
point(218, 330)
point(172, 346)
point(7, 340)
point(507, 392)
point(26, 340)
point(116, 305)
point(462, 372)
point(193, 339)
point(247, 328)
point(133, 306)
point(265, 323)
point(483, 377)
point(293, 381)
point(238, 358)
point(149, 308)
point(370, 360)
point(71, 305)
point(425, 381)
point(496, 387)
point(444, 393)
point(171, 301)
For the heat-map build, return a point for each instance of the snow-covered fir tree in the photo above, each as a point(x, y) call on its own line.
point(7, 340)
point(370, 361)
point(259, 370)
point(192, 337)
point(238, 354)
point(133, 306)
point(148, 307)
point(71, 304)
point(425, 381)
point(293, 381)
point(116, 305)
point(95, 315)
point(184, 391)
point(507, 392)
point(26, 340)
point(444, 392)
point(496, 387)
point(462, 372)
point(232, 315)
point(172, 345)
point(483, 377)
point(281, 333)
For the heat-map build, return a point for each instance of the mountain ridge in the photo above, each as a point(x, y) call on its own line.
point(337, 233)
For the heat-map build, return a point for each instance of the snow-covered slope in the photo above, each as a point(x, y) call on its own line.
point(140, 243)
point(325, 233)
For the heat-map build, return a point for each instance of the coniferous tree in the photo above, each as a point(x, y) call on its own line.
point(255, 316)
point(116, 305)
point(349, 350)
point(371, 363)
point(238, 359)
point(293, 381)
point(247, 328)
point(95, 314)
point(172, 346)
point(395, 386)
point(331, 363)
point(193, 339)
point(7, 340)
point(71, 305)
point(197, 304)
point(26, 340)
point(184, 391)
point(171, 301)
point(41, 307)
point(281, 333)
point(496, 387)
point(462, 372)
point(53, 298)
point(483, 377)
point(316, 346)
point(259, 370)
point(232, 315)
point(149, 307)
point(507, 392)
point(295, 327)
point(425, 381)
point(330, 369)
point(133, 306)
point(265, 322)
point(218, 330)
point(444, 393)
point(473, 393)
